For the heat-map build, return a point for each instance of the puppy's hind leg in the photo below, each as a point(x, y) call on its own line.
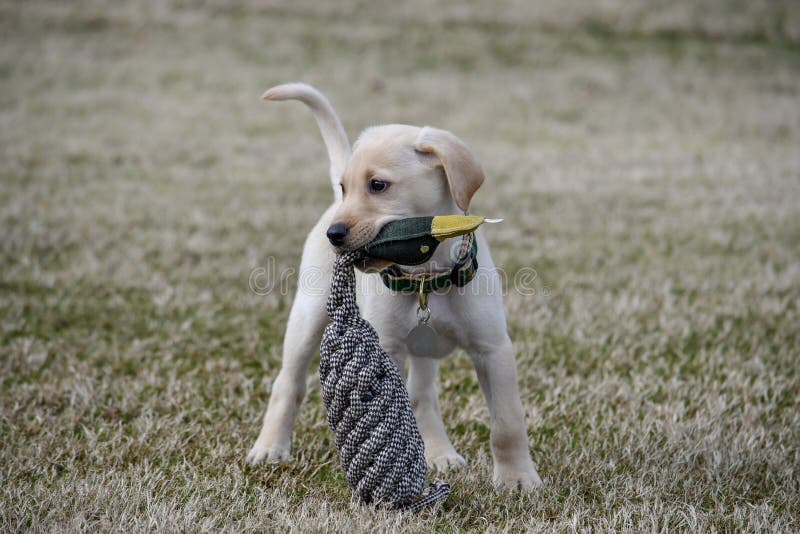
point(307, 321)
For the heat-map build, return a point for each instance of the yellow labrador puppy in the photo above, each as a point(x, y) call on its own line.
point(393, 172)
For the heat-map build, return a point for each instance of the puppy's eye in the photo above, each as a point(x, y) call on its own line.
point(342, 186)
point(378, 186)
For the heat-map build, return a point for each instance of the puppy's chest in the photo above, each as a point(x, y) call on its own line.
point(396, 315)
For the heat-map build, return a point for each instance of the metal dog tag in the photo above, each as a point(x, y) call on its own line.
point(423, 340)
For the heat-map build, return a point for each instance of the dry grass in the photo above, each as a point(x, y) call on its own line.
point(644, 155)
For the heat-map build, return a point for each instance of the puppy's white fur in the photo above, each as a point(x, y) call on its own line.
point(430, 172)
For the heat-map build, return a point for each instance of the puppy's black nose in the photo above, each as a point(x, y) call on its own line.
point(336, 234)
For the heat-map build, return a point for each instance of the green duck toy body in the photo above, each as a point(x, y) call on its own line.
point(413, 241)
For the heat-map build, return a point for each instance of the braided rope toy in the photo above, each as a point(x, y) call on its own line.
point(369, 411)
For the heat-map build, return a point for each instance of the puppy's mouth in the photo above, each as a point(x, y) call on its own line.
point(360, 237)
point(368, 264)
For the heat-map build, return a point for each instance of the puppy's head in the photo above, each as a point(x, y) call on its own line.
point(399, 171)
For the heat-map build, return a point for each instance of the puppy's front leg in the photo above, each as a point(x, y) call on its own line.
point(497, 374)
point(424, 395)
point(307, 320)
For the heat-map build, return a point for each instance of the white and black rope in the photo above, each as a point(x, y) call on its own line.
point(377, 437)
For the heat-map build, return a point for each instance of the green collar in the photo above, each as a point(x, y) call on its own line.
point(459, 275)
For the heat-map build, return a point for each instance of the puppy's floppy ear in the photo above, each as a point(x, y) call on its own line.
point(464, 173)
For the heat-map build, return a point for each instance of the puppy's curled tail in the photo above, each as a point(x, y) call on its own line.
point(329, 125)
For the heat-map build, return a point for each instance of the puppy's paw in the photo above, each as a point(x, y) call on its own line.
point(447, 461)
point(510, 480)
point(263, 452)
